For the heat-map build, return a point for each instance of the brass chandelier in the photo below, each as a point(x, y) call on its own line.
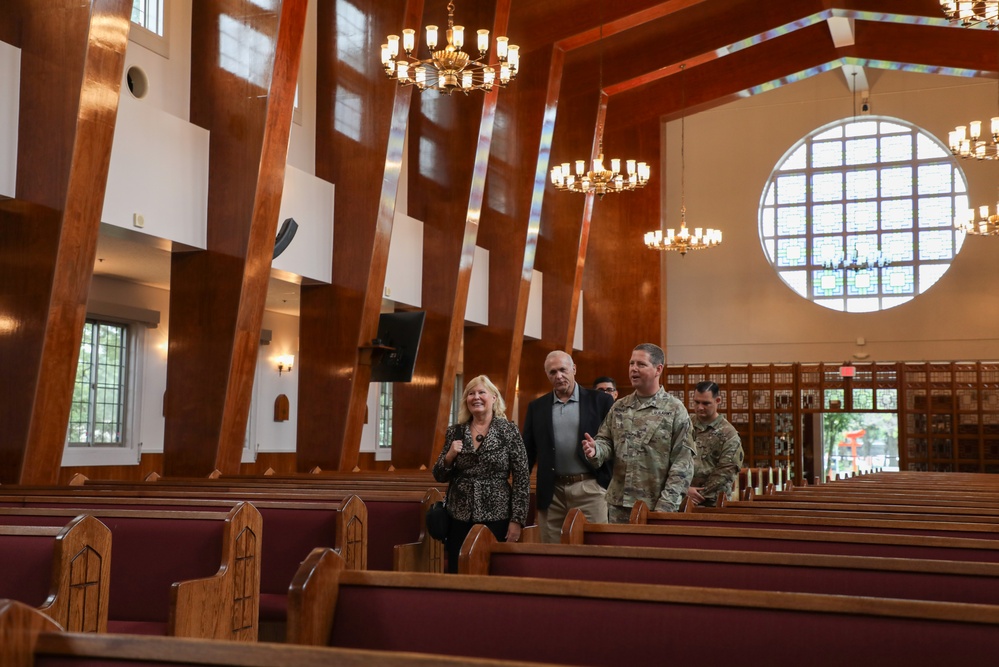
point(984, 225)
point(449, 68)
point(600, 180)
point(683, 241)
point(970, 14)
point(966, 141)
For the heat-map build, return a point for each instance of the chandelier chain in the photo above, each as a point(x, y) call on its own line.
point(683, 240)
point(618, 176)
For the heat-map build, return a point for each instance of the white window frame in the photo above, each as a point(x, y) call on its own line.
point(129, 450)
point(150, 39)
point(854, 297)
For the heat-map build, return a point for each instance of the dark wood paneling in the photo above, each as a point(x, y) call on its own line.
point(359, 149)
point(72, 56)
point(622, 300)
point(511, 218)
point(449, 148)
point(217, 296)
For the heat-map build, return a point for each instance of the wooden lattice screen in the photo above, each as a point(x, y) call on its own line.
point(948, 412)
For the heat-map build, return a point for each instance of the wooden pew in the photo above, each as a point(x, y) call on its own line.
point(186, 574)
point(291, 530)
point(859, 510)
point(600, 623)
point(577, 530)
point(944, 581)
point(804, 521)
point(29, 639)
point(63, 572)
point(394, 518)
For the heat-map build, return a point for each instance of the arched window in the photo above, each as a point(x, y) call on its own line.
point(859, 215)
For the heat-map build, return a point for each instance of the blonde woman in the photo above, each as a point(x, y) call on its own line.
point(480, 455)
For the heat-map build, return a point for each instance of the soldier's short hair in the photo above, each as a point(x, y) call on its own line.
point(705, 386)
point(656, 354)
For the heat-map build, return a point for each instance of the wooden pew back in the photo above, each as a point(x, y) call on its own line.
point(29, 639)
point(188, 574)
point(601, 623)
point(64, 572)
point(945, 581)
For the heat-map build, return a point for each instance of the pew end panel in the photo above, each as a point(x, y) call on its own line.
point(81, 584)
point(20, 627)
point(427, 554)
point(312, 598)
point(352, 533)
point(64, 572)
point(476, 550)
point(574, 527)
point(640, 512)
point(226, 604)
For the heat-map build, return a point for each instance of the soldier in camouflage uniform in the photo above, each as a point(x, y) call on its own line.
point(648, 435)
point(719, 449)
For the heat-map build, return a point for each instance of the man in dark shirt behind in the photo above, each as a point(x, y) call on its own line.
point(554, 429)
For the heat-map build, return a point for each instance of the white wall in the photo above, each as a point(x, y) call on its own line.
point(10, 78)
point(727, 305)
point(159, 170)
point(269, 435)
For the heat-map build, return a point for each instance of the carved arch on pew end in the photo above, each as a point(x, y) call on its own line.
point(227, 604)
point(352, 533)
point(426, 554)
point(639, 513)
point(314, 588)
point(79, 479)
point(20, 626)
point(574, 527)
point(476, 550)
point(79, 600)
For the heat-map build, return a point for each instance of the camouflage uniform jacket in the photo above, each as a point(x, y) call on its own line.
point(650, 442)
point(479, 489)
point(719, 457)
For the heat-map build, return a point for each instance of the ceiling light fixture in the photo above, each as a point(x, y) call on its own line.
point(683, 240)
point(599, 180)
point(970, 14)
point(449, 69)
point(985, 225)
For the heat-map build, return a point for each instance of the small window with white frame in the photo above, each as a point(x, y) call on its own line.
point(385, 416)
point(102, 421)
point(149, 25)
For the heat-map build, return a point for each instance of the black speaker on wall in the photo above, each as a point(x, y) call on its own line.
point(284, 236)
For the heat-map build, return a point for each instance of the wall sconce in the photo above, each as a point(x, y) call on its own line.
point(285, 363)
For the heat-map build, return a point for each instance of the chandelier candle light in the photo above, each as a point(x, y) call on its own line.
point(985, 225)
point(449, 68)
point(683, 240)
point(970, 14)
point(599, 180)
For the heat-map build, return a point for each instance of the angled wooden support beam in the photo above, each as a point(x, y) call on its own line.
point(217, 295)
point(364, 164)
point(72, 58)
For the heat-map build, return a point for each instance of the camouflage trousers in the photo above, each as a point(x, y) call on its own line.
point(618, 513)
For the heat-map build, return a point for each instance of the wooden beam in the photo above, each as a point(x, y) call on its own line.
point(72, 59)
point(217, 295)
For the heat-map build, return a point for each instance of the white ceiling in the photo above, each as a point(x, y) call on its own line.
point(133, 261)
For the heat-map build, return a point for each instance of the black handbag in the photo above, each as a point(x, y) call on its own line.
point(438, 521)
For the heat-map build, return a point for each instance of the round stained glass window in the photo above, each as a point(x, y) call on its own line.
point(859, 215)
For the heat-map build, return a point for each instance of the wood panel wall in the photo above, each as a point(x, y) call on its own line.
point(72, 57)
